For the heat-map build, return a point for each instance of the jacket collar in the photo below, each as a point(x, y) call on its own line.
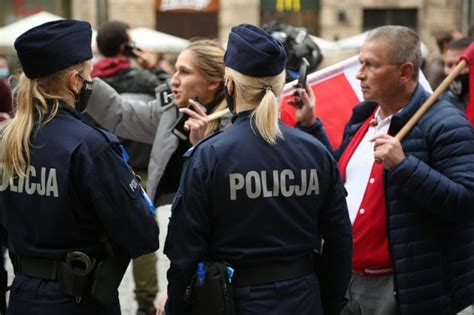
point(362, 111)
point(401, 118)
point(241, 116)
point(69, 110)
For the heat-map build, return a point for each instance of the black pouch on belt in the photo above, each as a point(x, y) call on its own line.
point(107, 277)
point(75, 274)
point(214, 296)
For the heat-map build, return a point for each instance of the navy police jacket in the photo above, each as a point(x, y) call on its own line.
point(249, 203)
point(77, 191)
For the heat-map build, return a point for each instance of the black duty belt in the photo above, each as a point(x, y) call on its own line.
point(50, 269)
point(78, 274)
point(272, 272)
point(35, 267)
point(74, 273)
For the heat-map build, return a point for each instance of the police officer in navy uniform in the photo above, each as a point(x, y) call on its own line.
point(262, 197)
point(71, 206)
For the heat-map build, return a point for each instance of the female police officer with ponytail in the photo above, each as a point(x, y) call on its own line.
point(261, 196)
point(69, 203)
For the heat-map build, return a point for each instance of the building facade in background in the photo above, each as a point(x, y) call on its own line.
point(188, 19)
point(13, 10)
point(329, 19)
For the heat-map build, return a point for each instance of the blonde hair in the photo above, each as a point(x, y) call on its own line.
point(263, 93)
point(210, 62)
point(32, 110)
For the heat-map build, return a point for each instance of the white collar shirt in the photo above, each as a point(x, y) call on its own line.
point(360, 165)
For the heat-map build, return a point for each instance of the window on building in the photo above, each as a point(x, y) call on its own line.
point(379, 17)
point(102, 11)
point(15, 10)
point(186, 18)
point(301, 13)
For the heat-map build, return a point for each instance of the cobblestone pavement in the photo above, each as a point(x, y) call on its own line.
point(127, 298)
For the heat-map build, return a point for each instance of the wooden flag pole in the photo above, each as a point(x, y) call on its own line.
point(429, 102)
point(218, 114)
point(213, 116)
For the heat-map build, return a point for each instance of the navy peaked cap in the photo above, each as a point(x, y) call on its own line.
point(54, 46)
point(254, 52)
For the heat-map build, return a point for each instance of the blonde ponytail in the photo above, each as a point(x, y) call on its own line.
point(266, 117)
point(16, 135)
point(31, 97)
point(262, 95)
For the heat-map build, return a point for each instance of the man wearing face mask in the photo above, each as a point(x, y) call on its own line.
point(458, 92)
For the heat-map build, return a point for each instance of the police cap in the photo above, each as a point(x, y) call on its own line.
point(253, 52)
point(54, 46)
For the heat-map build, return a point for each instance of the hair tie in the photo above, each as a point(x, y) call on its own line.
point(267, 88)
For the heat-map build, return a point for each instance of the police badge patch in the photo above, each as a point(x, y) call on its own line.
point(131, 185)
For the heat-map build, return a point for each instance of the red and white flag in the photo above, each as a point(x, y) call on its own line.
point(468, 55)
point(337, 91)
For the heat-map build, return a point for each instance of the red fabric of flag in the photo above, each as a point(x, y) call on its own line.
point(337, 91)
point(335, 100)
point(468, 55)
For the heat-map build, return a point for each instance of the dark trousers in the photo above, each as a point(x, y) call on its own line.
point(41, 297)
point(297, 296)
point(370, 296)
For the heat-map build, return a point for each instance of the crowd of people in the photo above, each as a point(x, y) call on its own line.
point(6, 103)
point(265, 218)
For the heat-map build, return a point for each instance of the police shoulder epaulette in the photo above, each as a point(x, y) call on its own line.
point(110, 137)
point(191, 150)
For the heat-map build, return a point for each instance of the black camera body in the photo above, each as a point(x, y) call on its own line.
point(302, 78)
point(128, 49)
point(303, 74)
point(179, 129)
point(298, 45)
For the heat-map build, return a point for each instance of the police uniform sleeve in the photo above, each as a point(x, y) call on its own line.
point(317, 130)
point(189, 228)
point(334, 265)
point(115, 194)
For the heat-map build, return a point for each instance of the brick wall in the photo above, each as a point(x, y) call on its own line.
point(233, 12)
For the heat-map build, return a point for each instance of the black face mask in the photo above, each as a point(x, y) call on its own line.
point(460, 85)
point(229, 100)
point(82, 99)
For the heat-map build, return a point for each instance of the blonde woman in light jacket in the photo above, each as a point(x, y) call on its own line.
point(199, 73)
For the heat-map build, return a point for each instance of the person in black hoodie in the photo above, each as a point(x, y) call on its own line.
point(116, 68)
